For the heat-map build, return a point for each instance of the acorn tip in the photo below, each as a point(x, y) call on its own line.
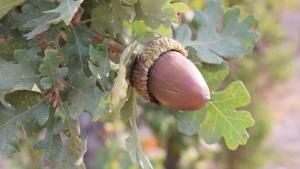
point(207, 98)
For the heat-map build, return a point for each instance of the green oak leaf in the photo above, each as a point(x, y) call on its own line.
point(214, 75)
point(110, 16)
point(16, 76)
point(51, 143)
point(51, 70)
point(98, 55)
point(63, 153)
point(66, 10)
point(29, 58)
point(143, 33)
point(76, 51)
point(72, 152)
point(7, 131)
point(38, 25)
point(189, 122)
point(223, 120)
point(27, 108)
point(85, 96)
point(74, 148)
point(99, 63)
point(162, 12)
point(171, 9)
point(7, 49)
point(133, 144)
point(30, 11)
point(220, 35)
point(23, 100)
point(7, 5)
point(32, 20)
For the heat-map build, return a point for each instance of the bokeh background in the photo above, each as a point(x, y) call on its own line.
point(272, 75)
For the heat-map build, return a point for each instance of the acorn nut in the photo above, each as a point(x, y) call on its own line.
point(163, 74)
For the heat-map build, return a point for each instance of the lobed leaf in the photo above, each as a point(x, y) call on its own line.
point(29, 58)
point(163, 12)
point(189, 122)
point(32, 20)
point(59, 152)
point(221, 35)
point(50, 69)
point(223, 120)
point(99, 63)
point(38, 25)
point(109, 17)
point(85, 96)
point(28, 108)
point(143, 33)
point(66, 10)
point(16, 76)
point(76, 50)
point(51, 145)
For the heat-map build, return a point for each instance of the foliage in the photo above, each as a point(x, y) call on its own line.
point(264, 61)
point(228, 39)
point(61, 58)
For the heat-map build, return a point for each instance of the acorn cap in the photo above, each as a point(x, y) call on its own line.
point(153, 50)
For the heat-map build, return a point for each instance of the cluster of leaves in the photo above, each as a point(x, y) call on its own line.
point(212, 45)
point(56, 63)
point(264, 60)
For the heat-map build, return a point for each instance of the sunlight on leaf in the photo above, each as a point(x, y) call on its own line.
point(222, 120)
point(66, 10)
point(7, 5)
point(119, 91)
point(38, 25)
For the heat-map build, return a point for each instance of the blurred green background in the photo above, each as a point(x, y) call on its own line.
point(272, 75)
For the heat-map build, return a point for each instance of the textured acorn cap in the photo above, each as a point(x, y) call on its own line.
point(153, 50)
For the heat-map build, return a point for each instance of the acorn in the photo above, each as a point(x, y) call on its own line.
point(162, 74)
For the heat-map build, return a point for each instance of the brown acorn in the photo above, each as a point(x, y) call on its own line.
point(163, 74)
